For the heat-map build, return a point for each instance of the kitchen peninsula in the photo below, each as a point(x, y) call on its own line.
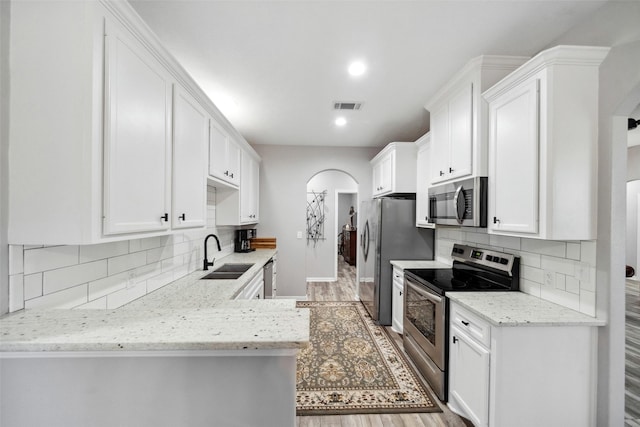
point(186, 354)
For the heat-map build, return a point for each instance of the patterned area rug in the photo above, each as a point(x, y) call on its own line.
point(352, 366)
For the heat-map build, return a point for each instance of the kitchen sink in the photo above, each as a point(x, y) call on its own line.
point(236, 268)
point(228, 272)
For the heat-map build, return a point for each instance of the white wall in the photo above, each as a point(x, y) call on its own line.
point(284, 174)
point(616, 25)
point(321, 255)
point(633, 161)
point(345, 201)
point(108, 275)
point(4, 157)
point(633, 199)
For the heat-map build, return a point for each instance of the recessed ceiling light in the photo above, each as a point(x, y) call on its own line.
point(341, 121)
point(357, 68)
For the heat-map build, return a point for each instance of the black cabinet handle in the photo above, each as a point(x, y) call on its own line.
point(231, 175)
point(465, 323)
point(400, 293)
point(441, 173)
point(450, 170)
point(455, 340)
point(165, 217)
point(183, 217)
point(226, 173)
point(495, 220)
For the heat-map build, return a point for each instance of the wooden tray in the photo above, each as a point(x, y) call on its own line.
point(263, 243)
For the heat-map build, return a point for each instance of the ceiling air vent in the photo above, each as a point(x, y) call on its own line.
point(347, 105)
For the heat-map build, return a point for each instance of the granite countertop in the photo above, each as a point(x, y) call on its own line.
point(187, 314)
point(520, 309)
point(419, 264)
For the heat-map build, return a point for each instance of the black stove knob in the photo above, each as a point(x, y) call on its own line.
point(489, 258)
point(504, 261)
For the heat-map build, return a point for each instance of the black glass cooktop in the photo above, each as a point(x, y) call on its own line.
point(461, 278)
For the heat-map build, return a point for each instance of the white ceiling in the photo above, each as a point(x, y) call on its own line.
point(284, 63)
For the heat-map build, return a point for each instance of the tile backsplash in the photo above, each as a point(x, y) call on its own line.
point(108, 275)
point(557, 271)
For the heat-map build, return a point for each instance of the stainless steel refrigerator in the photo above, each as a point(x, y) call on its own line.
point(387, 232)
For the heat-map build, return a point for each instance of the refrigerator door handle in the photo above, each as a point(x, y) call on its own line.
point(365, 240)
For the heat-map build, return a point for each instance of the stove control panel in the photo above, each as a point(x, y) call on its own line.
point(480, 256)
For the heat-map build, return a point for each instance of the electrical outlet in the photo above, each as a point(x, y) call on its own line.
point(549, 278)
point(299, 235)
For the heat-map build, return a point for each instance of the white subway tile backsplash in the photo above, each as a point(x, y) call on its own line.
point(99, 304)
point(49, 258)
point(62, 278)
point(159, 281)
point(32, 286)
point(102, 287)
point(126, 262)
point(505, 242)
point(68, 298)
point(138, 245)
point(531, 273)
point(588, 302)
point(573, 250)
point(478, 238)
point(159, 254)
point(573, 285)
point(588, 252)
point(16, 257)
point(560, 281)
point(123, 296)
point(559, 265)
point(528, 258)
point(90, 253)
point(529, 287)
point(560, 297)
point(16, 292)
point(544, 247)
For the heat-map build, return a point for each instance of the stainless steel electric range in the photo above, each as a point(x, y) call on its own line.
point(426, 306)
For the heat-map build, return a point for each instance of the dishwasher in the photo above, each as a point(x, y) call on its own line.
point(268, 279)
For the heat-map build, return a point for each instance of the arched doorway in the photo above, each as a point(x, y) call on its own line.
point(331, 194)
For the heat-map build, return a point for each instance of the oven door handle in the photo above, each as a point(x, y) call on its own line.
point(424, 293)
point(459, 204)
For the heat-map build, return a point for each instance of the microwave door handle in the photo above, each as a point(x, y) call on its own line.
point(459, 205)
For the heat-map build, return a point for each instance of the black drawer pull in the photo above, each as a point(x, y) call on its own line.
point(165, 217)
point(465, 323)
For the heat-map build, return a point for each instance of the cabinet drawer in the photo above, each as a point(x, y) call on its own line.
point(471, 324)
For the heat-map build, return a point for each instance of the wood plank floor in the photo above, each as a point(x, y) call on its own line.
point(345, 290)
point(632, 362)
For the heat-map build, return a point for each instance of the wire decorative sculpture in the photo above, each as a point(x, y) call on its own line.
point(315, 216)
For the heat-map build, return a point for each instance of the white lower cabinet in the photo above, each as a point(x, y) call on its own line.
point(526, 376)
point(254, 289)
point(397, 302)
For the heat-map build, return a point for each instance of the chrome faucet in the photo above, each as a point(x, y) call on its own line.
point(206, 263)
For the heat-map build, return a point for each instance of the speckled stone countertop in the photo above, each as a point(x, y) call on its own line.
point(520, 309)
point(188, 314)
point(418, 264)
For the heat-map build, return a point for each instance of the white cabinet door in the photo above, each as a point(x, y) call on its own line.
point(249, 189)
point(513, 160)
point(137, 163)
point(422, 184)
point(397, 309)
point(378, 178)
point(224, 156)
point(469, 376)
point(460, 133)
point(190, 139)
point(440, 143)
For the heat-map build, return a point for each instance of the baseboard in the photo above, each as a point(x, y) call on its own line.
point(297, 298)
point(322, 279)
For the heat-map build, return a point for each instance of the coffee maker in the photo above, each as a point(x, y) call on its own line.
point(241, 242)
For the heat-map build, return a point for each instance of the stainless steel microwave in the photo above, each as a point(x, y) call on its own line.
point(461, 203)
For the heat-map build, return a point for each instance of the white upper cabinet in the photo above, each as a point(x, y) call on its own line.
point(423, 178)
point(394, 169)
point(224, 157)
point(240, 207)
point(542, 149)
point(99, 149)
point(458, 114)
point(137, 140)
point(190, 148)
point(249, 188)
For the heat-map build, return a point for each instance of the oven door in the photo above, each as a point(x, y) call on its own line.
point(425, 320)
